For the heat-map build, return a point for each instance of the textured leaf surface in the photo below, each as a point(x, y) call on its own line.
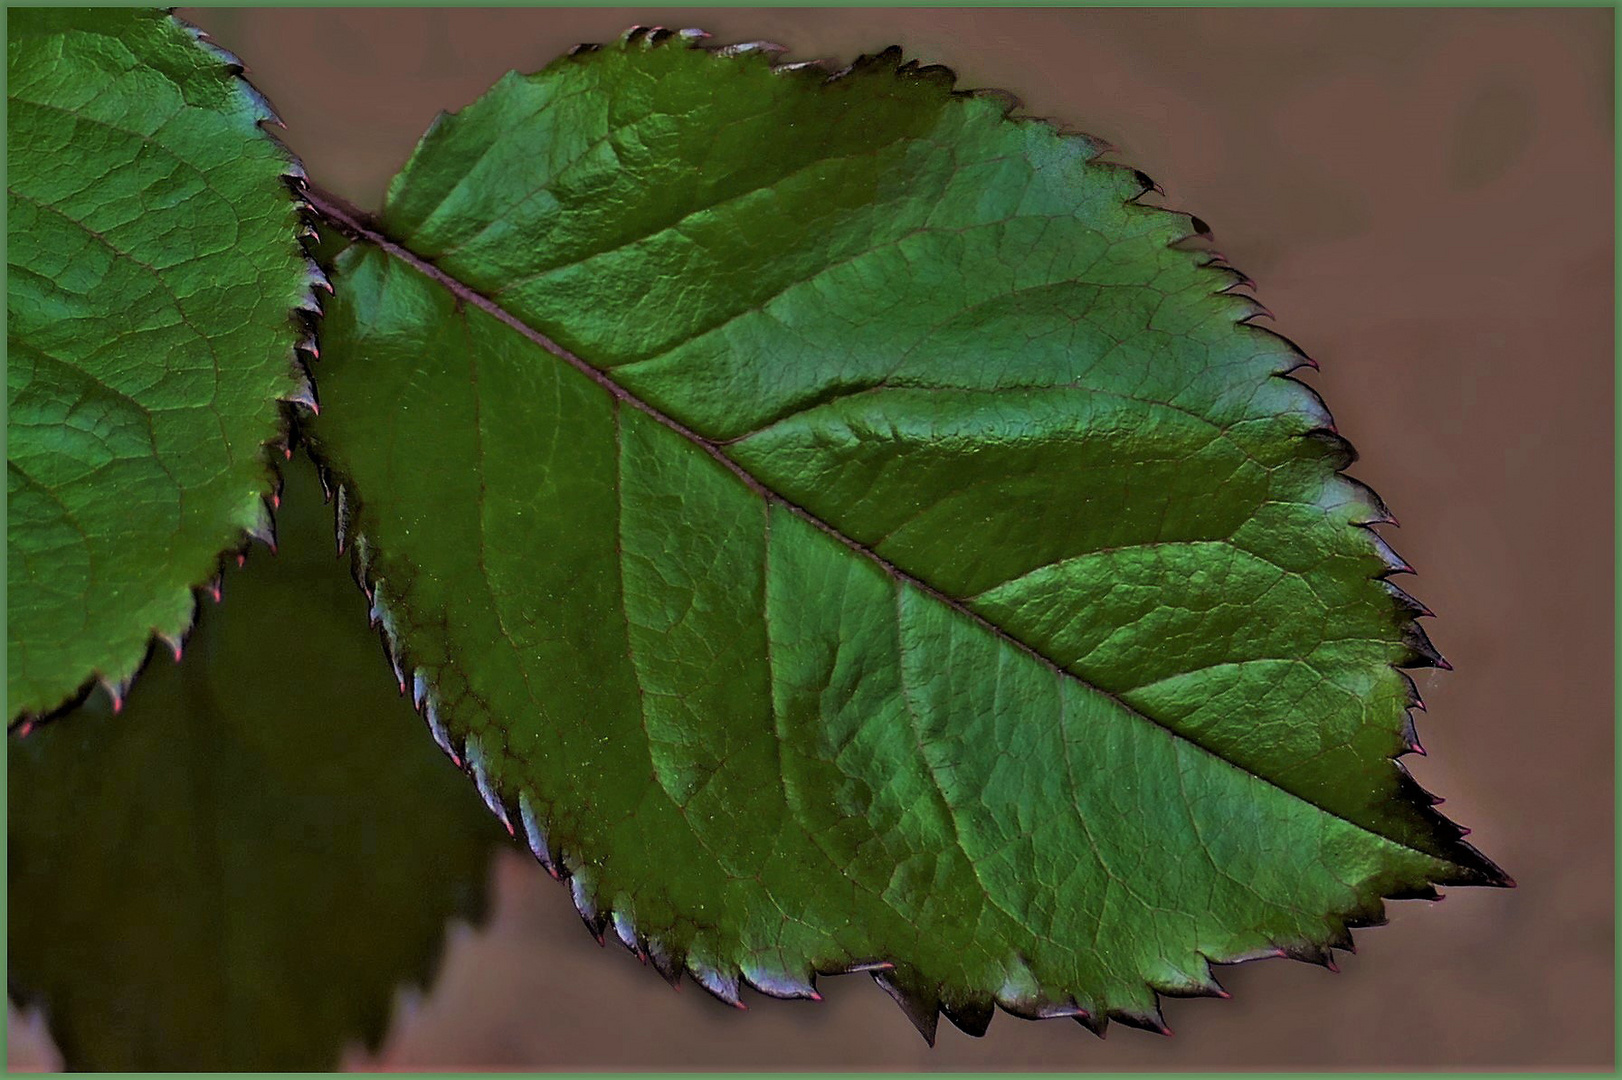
point(239, 870)
point(153, 269)
point(841, 526)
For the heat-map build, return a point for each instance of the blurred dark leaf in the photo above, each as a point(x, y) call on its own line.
point(238, 870)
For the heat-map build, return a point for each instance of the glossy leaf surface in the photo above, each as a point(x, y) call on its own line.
point(240, 870)
point(841, 526)
point(153, 269)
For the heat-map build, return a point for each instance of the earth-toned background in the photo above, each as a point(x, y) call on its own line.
point(1425, 198)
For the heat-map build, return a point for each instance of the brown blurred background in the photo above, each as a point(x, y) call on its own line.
point(1425, 198)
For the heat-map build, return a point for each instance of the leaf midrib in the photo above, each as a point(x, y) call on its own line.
point(360, 226)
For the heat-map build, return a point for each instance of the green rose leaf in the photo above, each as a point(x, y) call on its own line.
point(843, 529)
point(238, 871)
point(154, 265)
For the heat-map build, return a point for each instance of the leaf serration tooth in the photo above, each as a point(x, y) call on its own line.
point(474, 748)
point(770, 49)
point(1143, 1019)
point(1046, 1010)
point(309, 303)
point(117, 690)
point(1413, 608)
point(394, 660)
point(722, 986)
point(1097, 1023)
point(664, 962)
point(780, 984)
point(1395, 563)
point(822, 67)
point(262, 526)
point(580, 892)
point(264, 111)
point(375, 613)
point(1410, 736)
point(1311, 953)
point(1201, 984)
point(318, 276)
point(303, 390)
point(205, 41)
point(536, 835)
point(625, 931)
point(436, 728)
point(1414, 700)
point(1423, 653)
point(175, 643)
